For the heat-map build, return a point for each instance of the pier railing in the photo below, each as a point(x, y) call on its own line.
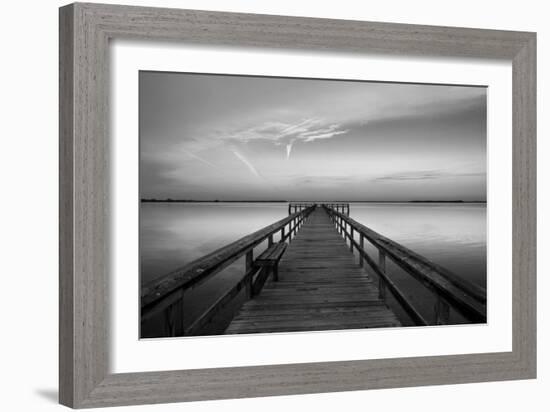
point(338, 207)
point(164, 297)
point(294, 207)
point(450, 291)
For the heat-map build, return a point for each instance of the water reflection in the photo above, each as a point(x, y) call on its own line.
point(451, 235)
point(173, 234)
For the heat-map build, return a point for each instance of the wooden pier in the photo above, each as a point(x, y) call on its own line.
point(320, 287)
point(312, 271)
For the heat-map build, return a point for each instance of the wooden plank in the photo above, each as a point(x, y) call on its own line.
point(320, 287)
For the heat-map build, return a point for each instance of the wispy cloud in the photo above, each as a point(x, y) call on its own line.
point(423, 175)
point(324, 180)
point(288, 150)
point(200, 159)
point(246, 162)
point(279, 133)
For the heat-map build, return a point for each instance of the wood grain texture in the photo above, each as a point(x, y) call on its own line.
point(320, 287)
point(85, 30)
point(271, 255)
point(524, 220)
point(66, 228)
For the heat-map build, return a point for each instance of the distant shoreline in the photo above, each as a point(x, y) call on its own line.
point(306, 201)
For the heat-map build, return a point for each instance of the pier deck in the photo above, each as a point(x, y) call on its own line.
point(320, 287)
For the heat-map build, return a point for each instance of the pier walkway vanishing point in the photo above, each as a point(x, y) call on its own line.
point(313, 265)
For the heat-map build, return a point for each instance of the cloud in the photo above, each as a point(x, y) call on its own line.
point(288, 150)
point(302, 127)
point(246, 162)
point(279, 133)
point(423, 175)
point(200, 159)
point(336, 114)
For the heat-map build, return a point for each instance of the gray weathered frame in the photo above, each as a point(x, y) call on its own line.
point(85, 31)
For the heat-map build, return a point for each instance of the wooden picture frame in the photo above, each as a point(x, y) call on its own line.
point(85, 31)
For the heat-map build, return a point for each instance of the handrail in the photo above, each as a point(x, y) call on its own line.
point(164, 293)
point(338, 207)
point(465, 297)
point(294, 207)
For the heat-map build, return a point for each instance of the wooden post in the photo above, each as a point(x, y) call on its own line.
point(289, 231)
point(283, 234)
point(441, 311)
point(173, 318)
point(169, 321)
point(381, 283)
point(248, 267)
point(351, 239)
point(270, 241)
point(362, 246)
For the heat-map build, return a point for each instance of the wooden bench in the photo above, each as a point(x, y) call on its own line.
point(268, 261)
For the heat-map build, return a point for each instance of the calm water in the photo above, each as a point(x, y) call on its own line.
point(173, 234)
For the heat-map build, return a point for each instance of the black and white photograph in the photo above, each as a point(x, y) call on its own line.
point(273, 205)
point(266, 206)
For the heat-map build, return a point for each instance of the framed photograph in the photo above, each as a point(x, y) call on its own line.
point(257, 205)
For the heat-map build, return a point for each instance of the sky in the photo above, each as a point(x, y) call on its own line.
point(222, 137)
